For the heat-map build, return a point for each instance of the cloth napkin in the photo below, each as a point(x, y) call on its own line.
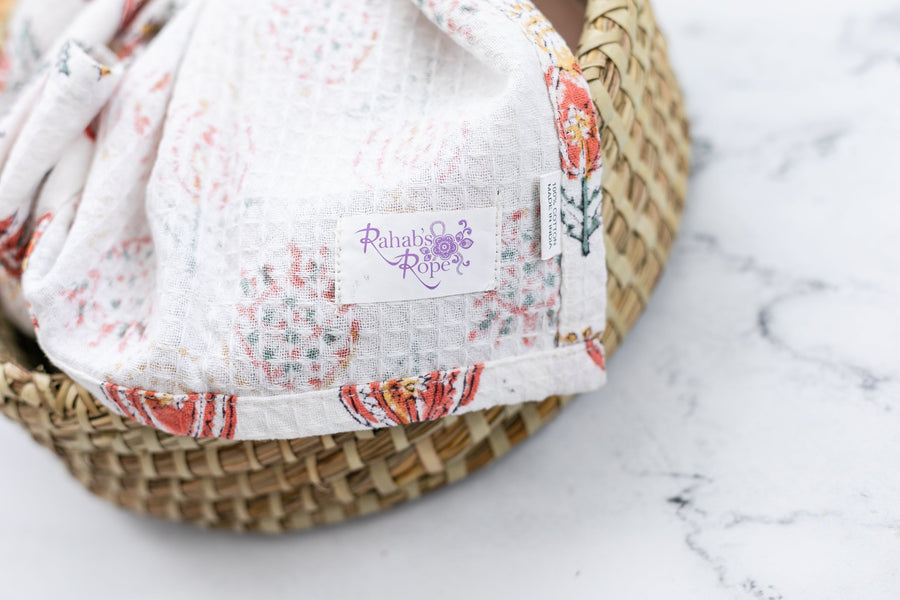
point(278, 219)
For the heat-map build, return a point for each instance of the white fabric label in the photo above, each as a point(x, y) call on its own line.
point(551, 215)
point(406, 256)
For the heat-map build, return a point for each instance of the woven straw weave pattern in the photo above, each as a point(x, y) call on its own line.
point(273, 486)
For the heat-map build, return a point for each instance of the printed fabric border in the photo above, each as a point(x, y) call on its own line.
point(570, 369)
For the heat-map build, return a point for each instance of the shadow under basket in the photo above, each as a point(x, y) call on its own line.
point(280, 485)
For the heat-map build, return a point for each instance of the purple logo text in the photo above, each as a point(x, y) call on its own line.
point(428, 256)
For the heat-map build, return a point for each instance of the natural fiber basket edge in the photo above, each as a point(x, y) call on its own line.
point(273, 486)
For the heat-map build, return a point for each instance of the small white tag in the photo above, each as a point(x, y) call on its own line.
point(406, 256)
point(551, 215)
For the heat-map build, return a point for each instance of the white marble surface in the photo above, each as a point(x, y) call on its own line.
point(748, 443)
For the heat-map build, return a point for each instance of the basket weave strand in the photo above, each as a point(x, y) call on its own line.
point(274, 486)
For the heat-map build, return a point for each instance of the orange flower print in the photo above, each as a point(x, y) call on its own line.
point(576, 122)
point(412, 399)
point(195, 415)
point(595, 351)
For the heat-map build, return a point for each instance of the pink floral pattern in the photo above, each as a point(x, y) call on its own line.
point(409, 145)
point(527, 299)
point(316, 53)
point(210, 164)
point(124, 311)
point(283, 330)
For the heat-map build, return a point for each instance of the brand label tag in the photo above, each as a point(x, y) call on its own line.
point(407, 256)
point(551, 215)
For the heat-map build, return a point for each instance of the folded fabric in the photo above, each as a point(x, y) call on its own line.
point(273, 220)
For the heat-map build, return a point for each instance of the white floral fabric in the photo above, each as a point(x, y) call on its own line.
point(177, 178)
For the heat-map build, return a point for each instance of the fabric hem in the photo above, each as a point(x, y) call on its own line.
point(570, 369)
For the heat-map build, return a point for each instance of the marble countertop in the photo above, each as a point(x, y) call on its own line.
point(747, 445)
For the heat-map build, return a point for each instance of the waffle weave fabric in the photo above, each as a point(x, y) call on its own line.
point(260, 220)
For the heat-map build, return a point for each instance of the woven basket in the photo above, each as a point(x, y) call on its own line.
point(274, 486)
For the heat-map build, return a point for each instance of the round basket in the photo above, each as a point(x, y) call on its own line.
point(273, 486)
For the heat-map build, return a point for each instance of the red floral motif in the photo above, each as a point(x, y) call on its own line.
point(195, 415)
point(285, 332)
point(576, 121)
point(412, 399)
point(595, 351)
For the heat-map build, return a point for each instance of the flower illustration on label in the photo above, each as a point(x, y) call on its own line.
point(416, 255)
point(429, 256)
